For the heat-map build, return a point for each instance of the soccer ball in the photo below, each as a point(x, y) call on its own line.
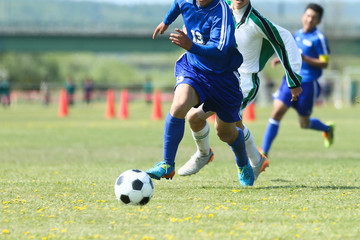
point(134, 187)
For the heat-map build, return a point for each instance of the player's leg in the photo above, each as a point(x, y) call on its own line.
point(279, 110)
point(229, 133)
point(282, 102)
point(307, 122)
point(257, 160)
point(184, 98)
point(306, 102)
point(251, 148)
point(200, 131)
point(250, 84)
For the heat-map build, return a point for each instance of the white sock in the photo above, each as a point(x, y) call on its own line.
point(202, 140)
point(251, 149)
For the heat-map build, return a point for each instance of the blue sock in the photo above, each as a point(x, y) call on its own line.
point(316, 124)
point(270, 134)
point(173, 133)
point(238, 147)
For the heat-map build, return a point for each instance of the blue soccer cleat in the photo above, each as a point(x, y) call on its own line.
point(246, 175)
point(161, 170)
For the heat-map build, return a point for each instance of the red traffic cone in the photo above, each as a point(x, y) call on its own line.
point(156, 111)
point(63, 107)
point(249, 113)
point(110, 108)
point(123, 105)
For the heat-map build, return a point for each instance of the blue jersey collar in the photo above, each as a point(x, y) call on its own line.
point(311, 31)
point(212, 5)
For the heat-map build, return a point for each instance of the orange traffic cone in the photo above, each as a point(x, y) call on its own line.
point(110, 108)
point(123, 105)
point(156, 111)
point(249, 113)
point(63, 108)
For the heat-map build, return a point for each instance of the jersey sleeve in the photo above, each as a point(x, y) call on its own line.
point(172, 14)
point(284, 45)
point(322, 48)
point(290, 57)
point(205, 50)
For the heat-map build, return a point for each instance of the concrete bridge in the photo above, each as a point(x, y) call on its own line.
point(96, 27)
point(114, 42)
point(83, 42)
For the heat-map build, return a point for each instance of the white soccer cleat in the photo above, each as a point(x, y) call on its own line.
point(195, 163)
point(260, 167)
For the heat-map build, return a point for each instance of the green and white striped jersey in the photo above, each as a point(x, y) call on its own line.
point(258, 39)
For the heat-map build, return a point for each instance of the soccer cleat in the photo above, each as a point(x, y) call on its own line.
point(161, 170)
point(264, 163)
point(262, 152)
point(195, 163)
point(246, 175)
point(329, 135)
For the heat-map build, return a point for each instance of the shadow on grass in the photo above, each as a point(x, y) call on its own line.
point(288, 184)
point(333, 187)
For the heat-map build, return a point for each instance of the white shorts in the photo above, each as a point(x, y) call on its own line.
point(250, 85)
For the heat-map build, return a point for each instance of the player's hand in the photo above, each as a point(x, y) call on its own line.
point(161, 28)
point(181, 39)
point(295, 93)
point(274, 62)
point(185, 30)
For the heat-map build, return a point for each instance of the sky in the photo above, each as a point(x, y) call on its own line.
point(133, 1)
point(171, 1)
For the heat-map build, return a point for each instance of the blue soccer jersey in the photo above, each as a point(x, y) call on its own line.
point(312, 44)
point(211, 29)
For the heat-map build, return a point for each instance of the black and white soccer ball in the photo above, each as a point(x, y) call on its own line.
point(134, 187)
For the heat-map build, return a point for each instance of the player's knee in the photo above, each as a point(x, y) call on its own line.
point(179, 110)
point(304, 125)
point(277, 115)
point(195, 122)
point(225, 136)
point(279, 111)
point(192, 117)
point(240, 124)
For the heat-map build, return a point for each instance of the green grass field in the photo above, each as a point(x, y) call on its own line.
point(57, 177)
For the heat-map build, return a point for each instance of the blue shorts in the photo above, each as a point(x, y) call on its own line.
point(220, 93)
point(306, 100)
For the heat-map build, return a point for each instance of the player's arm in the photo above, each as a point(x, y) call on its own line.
point(182, 40)
point(291, 63)
point(287, 53)
point(323, 51)
point(321, 62)
point(285, 48)
point(170, 17)
point(208, 50)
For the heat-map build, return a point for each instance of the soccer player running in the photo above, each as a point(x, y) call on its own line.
point(314, 51)
point(206, 74)
point(257, 39)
